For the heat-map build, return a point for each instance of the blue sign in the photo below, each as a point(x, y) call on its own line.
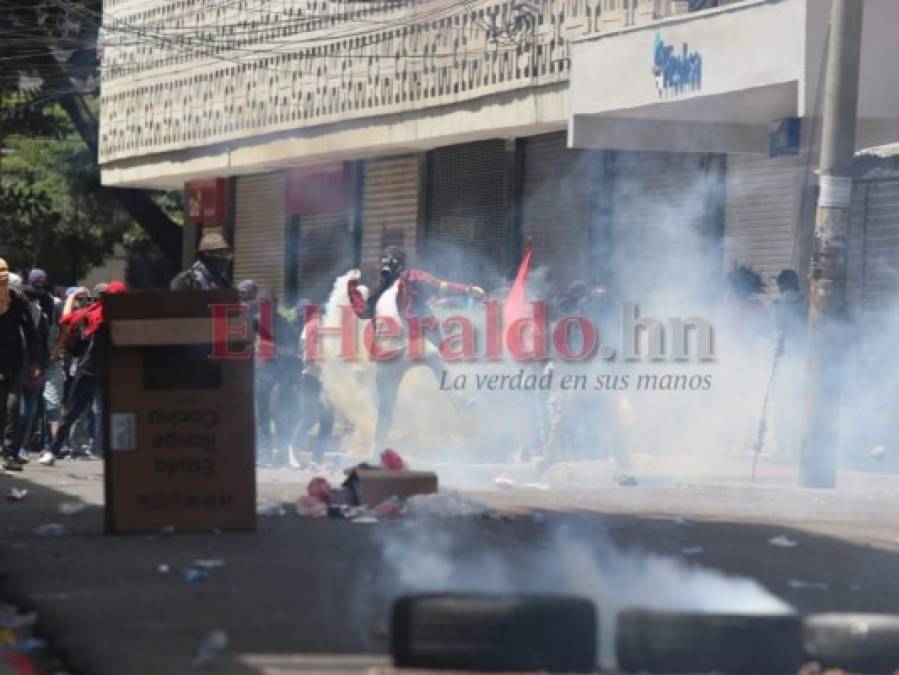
point(784, 137)
point(675, 73)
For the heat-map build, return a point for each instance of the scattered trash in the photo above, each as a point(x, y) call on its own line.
point(391, 461)
point(71, 508)
point(195, 575)
point(168, 530)
point(815, 585)
point(692, 550)
point(365, 520)
point(50, 530)
point(269, 507)
point(504, 482)
point(14, 621)
point(209, 563)
point(29, 645)
point(371, 486)
point(163, 568)
point(783, 541)
point(683, 520)
point(347, 512)
point(319, 488)
point(878, 452)
point(211, 646)
point(449, 504)
point(16, 494)
point(310, 507)
point(389, 508)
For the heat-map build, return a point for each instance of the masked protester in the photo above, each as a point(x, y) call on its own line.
point(16, 322)
point(212, 268)
point(277, 373)
point(402, 293)
point(33, 388)
point(50, 405)
point(83, 333)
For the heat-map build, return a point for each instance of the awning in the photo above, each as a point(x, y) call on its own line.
point(719, 80)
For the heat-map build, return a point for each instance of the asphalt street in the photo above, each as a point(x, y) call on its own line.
point(298, 589)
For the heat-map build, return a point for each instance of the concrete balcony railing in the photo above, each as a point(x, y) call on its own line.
point(189, 73)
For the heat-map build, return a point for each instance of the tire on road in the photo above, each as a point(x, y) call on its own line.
point(862, 643)
point(684, 642)
point(495, 633)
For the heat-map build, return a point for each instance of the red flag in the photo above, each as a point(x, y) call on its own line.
point(516, 303)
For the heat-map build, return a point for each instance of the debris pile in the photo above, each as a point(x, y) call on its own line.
point(389, 490)
point(20, 650)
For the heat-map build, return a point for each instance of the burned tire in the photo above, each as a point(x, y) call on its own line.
point(495, 633)
point(675, 642)
point(861, 643)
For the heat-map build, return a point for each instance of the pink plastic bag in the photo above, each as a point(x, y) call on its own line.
point(320, 489)
point(391, 460)
point(310, 507)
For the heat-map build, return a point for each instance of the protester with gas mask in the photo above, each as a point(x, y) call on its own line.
point(16, 323)
point(402, 293)
point(82, 331)
point(212, 268)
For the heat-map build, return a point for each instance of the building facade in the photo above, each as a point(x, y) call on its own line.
point(620, 135)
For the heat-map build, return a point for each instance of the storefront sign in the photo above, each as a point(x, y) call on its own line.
point(206, 201)
point(675, 73)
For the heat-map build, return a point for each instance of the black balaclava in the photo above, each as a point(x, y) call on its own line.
point(219, 263)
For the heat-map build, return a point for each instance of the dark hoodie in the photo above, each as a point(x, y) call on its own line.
point(15, 323)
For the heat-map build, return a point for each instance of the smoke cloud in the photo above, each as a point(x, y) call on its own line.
point(423, 558)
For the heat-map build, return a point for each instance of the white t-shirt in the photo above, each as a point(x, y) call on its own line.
point(387, 307)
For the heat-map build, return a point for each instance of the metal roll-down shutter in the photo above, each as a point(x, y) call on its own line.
point(325, 252)
point(467, 235)
point(880, 263)
point(390, 209)
point(259, 216)
point(556, 208)
point(764, 198)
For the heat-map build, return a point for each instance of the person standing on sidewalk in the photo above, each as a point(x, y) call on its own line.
point(33, 389)
point(82, 329)
point(15, 323)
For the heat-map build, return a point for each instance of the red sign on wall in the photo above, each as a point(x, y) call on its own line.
point(318, 189)
point(206, 201)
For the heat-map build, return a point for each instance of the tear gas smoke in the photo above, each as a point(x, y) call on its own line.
point(423, 559)
point(672, 267)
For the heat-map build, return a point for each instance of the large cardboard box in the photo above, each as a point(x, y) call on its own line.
point(179, 425)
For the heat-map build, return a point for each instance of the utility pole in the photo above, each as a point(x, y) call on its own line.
point(827, 278)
